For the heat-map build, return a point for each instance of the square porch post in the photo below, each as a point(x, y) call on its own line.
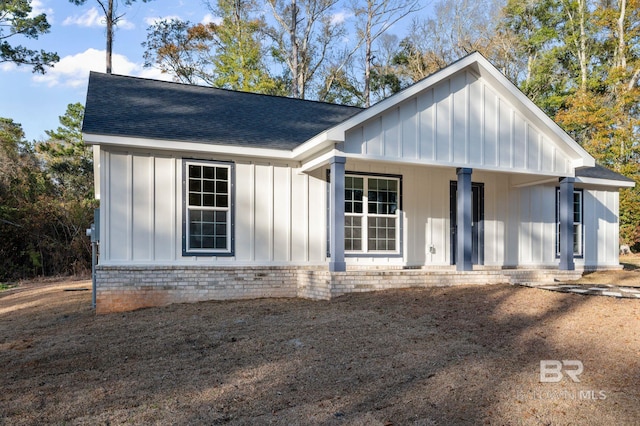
point(464, 247)
point(336, 215)
point(566, 224)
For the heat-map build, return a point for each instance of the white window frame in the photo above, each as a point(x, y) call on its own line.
point(366, 216)
point(578, 226)
point(187, 250)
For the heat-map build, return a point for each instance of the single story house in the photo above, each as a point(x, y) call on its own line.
point(214, 194)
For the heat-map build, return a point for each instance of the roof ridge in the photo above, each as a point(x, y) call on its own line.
point(203, 87)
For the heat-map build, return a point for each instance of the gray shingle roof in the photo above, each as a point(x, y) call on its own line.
point(601, 172)
point(129, 106)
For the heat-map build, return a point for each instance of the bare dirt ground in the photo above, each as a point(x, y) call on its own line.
point(459, 355)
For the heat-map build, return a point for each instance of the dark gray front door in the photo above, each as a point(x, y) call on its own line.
point(477, 224)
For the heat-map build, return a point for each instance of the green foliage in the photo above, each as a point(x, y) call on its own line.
point(228, 55)
point(340, 89)
point(46, 200)
point(69, 161)
point(16, 20)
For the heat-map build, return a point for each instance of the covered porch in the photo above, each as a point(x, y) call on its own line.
point(456, 219)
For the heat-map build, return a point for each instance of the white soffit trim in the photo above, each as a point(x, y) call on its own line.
point(605, 182)
point(179, 146)
point(319, 161)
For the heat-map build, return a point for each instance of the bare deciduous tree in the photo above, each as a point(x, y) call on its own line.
point(374, 18)
point(303, 37)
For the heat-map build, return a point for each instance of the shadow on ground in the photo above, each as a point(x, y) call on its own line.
point(458, 355)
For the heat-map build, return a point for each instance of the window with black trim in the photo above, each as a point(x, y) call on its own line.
point(208, 208)
point(577, 223)
point(371, 214)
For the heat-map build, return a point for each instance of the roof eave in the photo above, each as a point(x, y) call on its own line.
point(605, 182)
point(185, 146)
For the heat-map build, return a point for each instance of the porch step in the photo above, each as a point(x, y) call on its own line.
point(338, 283)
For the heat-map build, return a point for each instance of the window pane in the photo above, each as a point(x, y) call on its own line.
point(353, 194)
point(195, 228)
point(195, 242)
point(208, 200)
point(221, 187)
point(221, 229)
point(222, 201)
point(194, 200)
point(353, 232)
point(222, 173)
point(194, 185)
point(195, 171)
point(383, 196)
point(208, 172)
point(208, 186)
point(382, 234)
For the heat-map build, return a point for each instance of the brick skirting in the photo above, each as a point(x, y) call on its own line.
point(124, 288)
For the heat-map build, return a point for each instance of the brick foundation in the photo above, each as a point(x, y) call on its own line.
point(124, 288)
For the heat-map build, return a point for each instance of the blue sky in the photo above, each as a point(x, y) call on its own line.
point(77, 35)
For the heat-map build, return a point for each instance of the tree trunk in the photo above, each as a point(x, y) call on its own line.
point(582, 55)
point(368, 59)
point(622, 58)
point(295, 69)
point(109, 19)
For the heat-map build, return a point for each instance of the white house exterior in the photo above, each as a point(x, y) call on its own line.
point(458, 178)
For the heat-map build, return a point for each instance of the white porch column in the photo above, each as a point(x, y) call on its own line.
point(464, 247)
point(566, 224)
point(336, 215)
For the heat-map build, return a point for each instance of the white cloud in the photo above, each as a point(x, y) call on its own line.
point(154, 73)
point(73, 70)
point(154, 20)
point(94, 18)
point(37, 8)
point(8, 66)
point(90, 18)
point(340, 17)
point(209, 18)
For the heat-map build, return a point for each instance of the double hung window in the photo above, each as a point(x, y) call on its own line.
point(208, 215)
point(577, 223)
point(371, 214)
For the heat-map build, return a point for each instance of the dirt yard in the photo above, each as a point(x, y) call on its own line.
point(460, 355)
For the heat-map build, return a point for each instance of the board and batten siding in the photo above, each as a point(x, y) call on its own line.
point(279, 214)
point(462, 121)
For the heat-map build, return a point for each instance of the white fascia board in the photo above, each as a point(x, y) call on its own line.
point(605, 182)
point(316, 144)
point(96, 171)
point(179, 146)
point(535, 182)
point(434, 163)
point(319, 161)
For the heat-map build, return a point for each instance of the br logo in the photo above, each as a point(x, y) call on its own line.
point(551, 370)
